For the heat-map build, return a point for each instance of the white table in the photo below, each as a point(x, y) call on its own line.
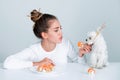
point(71, 71)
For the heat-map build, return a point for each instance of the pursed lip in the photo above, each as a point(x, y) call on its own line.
point(60, 38)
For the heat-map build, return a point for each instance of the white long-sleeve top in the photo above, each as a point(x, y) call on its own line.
point(35, 53)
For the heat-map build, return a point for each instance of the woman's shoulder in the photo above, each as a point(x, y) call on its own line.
point(35, 45)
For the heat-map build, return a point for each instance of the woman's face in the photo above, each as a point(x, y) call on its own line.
point(54, 33)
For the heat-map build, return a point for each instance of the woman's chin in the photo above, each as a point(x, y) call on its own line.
point(60, 41)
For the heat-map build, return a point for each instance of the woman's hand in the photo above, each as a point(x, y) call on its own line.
point(45, 61)
point(85, 49)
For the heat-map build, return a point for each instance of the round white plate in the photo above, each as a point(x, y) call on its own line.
point(58, 70)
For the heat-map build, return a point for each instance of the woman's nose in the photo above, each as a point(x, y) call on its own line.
point(60, 31)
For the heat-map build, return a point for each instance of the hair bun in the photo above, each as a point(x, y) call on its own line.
point(35, 15)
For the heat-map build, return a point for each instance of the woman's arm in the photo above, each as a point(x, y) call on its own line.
point(78, 57)
point(20, 60)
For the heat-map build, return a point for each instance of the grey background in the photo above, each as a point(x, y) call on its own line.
point(77, 17)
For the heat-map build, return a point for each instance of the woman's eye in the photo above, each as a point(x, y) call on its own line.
point(56, 30)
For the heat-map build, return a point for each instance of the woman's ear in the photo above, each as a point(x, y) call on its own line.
point(44, 35)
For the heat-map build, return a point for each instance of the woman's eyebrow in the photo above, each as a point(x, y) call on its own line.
point(56, 27)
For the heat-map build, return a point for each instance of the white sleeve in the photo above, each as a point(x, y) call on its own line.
point(82, 59)
point(73, 56)
point(20, 60)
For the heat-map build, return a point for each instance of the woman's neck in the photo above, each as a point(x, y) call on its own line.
point(48, 46)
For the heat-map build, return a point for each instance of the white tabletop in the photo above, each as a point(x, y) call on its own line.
point(70, 71)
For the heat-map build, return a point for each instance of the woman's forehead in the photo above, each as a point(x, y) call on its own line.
point(54, 24)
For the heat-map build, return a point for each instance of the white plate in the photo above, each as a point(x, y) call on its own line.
point(58, 70)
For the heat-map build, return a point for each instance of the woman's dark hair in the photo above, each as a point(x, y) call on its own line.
point(41, 22)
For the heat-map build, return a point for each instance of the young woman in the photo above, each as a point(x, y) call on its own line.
point(52, 48)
